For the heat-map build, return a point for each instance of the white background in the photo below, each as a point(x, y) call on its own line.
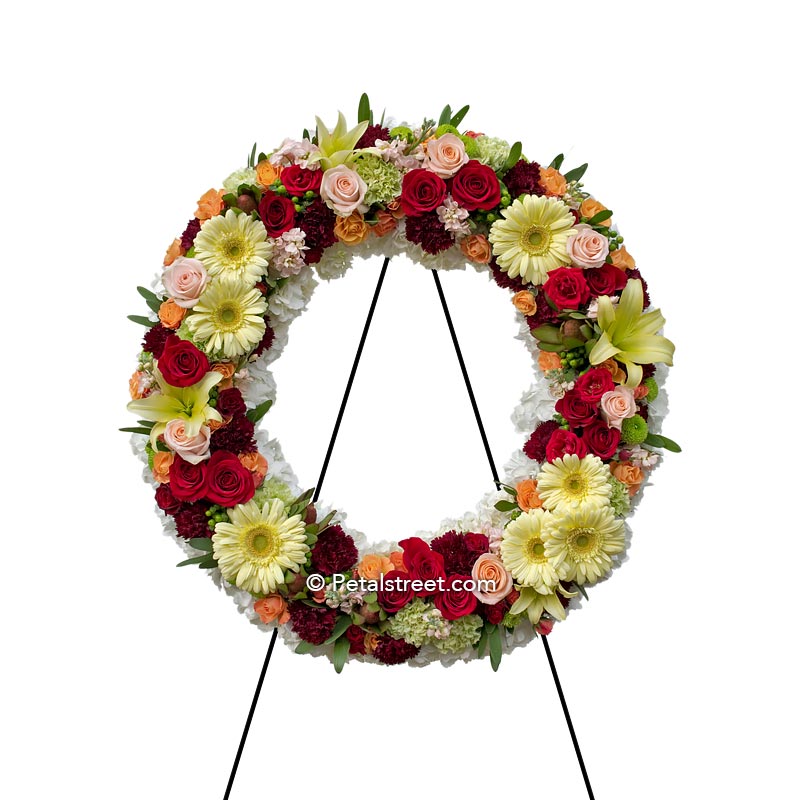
point(124, 678)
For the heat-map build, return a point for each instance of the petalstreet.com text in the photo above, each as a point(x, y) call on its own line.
point(339, 582)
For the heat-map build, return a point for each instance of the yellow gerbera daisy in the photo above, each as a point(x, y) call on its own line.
point(523, 552)
point(257, 546)
point(572, 481)
point(233, 244)
point(583, 541)
point(532, 239)
point(228, 317)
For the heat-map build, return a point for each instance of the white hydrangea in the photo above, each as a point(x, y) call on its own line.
point(245, 175)
point(536, 405)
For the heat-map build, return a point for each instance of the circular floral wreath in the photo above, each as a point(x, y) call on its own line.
point(244, 268)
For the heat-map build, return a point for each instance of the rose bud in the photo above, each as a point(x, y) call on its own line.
point(311, 514)
point(246, 203)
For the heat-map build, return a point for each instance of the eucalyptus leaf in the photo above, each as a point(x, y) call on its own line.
point(656, 440)
point(139, 320)
point(147, 294)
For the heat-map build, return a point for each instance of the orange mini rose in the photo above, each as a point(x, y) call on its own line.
point(628, 474)
point(373, 566)
point(640, 391)
point(370, 641)
point(524, 302)
point(210, 204)
point(618, 375)
point(548, 361)
point(272, 607)
point(397, 561)
point(173, 251)
point(622, 259)
point(171, 314)
point(137, 385)
point(351, 230)
point(590, 207)
point(162, 461)
point(528, 495)
point(395, 209)
point(553, 182)
point(476, 248)
point(386, 223)
point(266, 173)
point(257, 465)
point(226, 369)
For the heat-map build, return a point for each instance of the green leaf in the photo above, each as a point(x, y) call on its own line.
point(363, 108)
point(513, 155)
point(557, 161)
point(551, 348)
point(193, 560)
point(230, 199)
point(481, 646)
point(444, 117)
point(576, 174)
point(305, 647)
point(495, 647)
point(340, 652)
point(371, 597)
point(510, 489)
point(146, 321)
point(147, 294)
point(656, 440)
point(601, 216)
point(582, 591)
point(326, 521)
point(547, 333)
point(145, 423)
point(209, 563)
point(342, 624)
point(458, 117)
point(570, 342)
point(505, 505)
point(202, 544)
point(144, 431)
point(256, 414)
point(251, 162)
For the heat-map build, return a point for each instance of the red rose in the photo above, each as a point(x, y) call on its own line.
point(477, 542)
point(422, 563)
point(567, 287)
point(592, 385)
point(600, 439)
point(277, 213)
point(166, 500)
point(355, 636)
point(563, 443)
point(495, 613)
point(606, 279)
point(228, 483)
point(181, 363)
point(188, 481)
point(575, 409)
point(298, 181)
point(475, 186)
point(230, 402)
point(422, 191)
point(455, 602)
point(395, 591)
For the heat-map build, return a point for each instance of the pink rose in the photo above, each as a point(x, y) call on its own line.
point(489, 567)
point(446, 155)
point(193, 449)
point(617, 405)
point(587, 248)
point(185, 280)
point(343, 189)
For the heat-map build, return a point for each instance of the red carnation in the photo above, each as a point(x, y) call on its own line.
point(298, 181)
point(276, 212)
point(188, 481)
point(228, 483)
point(422, 191)
point(456, 602)
point(312, 624)
point(181, 363)
point(601, 440)
point(523, 178)
point(504, 281)
point(460, 551)
point(567, 287)
point(393, 651)
point(155, 339)
point(355, 635)
point(536, 445)
point(266, 340)
point(317, 223)
point(475, 186)
point(188, 236)
point(335, 551)
point(230, 403)
point(495, 613)
point(563, 443)
point(395, 591)
point(235, 437)
point(422, 564)
point(166, 500)
point(371, 135)
point(575, 409)
point(606, 279)
point(191, 522)
point(428, 232)
point(592, 385)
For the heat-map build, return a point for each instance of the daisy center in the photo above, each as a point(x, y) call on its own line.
point(262, 541)
point(536, 551)
point(233, 249)
point(583, 542)
point(536, 240)
point(575, 484)
point(228, 316)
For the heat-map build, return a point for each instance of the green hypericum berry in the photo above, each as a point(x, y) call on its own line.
point(652, 389)
point(403, 132)
point(634, 430)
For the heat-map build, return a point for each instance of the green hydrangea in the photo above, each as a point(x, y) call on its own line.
point(184, 333)
point(411, 623)
point(271, 489)
point(652, 389)
point(464, 633)
point(381, 177)
point(620, 497)
point(492, 151)
point(511, 620)
point(237, 178)
point(634, 430)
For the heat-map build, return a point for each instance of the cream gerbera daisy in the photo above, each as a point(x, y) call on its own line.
point(571, 481)
point(257, 546)
point(523, 553)
point(583, 541)
point(228, 317)
point(233, 244)
point(532, 239)
point(534, 604)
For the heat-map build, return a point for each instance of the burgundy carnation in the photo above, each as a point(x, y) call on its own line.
point(504, 280)
point(166, 500)
point(648, 370)
point(395, 591)
point(575, 409)
point(355, 635)
point(523, 178)
point(423, 191)
point(181, 363)
point(312, 624)
point(230, 403)
point(495, 613)
point(371, 134)
point(605, 280)
point(475, 186)
point(266, 341)
point(335, 551)
point(188, 236)
point(188, 481)
point(545, 313)
point(428, 231)
point(535, 447)
point(317, 223)
point(567, 287)
point(593, 384)
point(192, 523)
point(456, 602)
point(563, 443)
point(277, 213)
point(298, 181)
point(634, 274)
point(236, 436)
point(422, 563)
point(601, 440)
point(228, 482)
point(460, 551)
point(393, 651)
point(155, 339)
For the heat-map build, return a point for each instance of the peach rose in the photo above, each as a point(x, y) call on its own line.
point(161, 463)
point(373, 566)
point(351, 230)
point(553, 182)
point(193, 449)
point(227, 370)
point(386, 223)
point(210, 204)
point(266, 173)
point(173, 251)
point(524, 302)
point(630, 475)
point(528, 495)
point(138, 385)
point(272, 607)
point(590, 207)
point(622, 259)
point(489, 567)
point(587, 248)
point(549, 361)
point(476, 248)
point(446, 155)
point(171, 314)
point(617, 405)
point(397, 560)
point(185, 280)
point(395, 209)
point(256, 464)
point(618, 375)
point(343, 189)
